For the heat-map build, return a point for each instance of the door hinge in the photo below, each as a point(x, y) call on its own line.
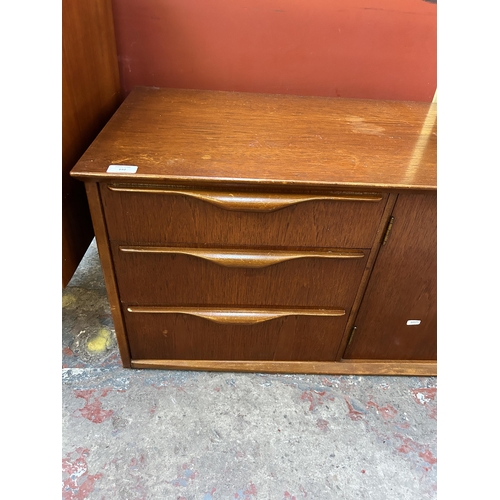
point(352, 335)
point(388, 230)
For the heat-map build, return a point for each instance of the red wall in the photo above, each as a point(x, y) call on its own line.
point(375, 49)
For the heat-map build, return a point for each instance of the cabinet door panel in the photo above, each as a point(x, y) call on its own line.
point(397, 318)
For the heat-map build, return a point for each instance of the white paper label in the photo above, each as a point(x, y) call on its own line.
point(413, 322)
point(122, 169)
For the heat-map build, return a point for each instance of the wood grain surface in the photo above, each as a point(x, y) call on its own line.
point(178, 220)
point(179, 279)
point(219, 251)
point(370, 367)
point(402, 287)
point(247, 202)
point(105, 258)
point(246, 259)
point(204, 136)
point(236, 316)
point(90, 95)
point(183, 336)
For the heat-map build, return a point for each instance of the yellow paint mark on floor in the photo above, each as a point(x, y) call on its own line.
point(68, 300)
point(99, 342)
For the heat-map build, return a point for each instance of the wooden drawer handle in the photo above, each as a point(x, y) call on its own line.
point(249, 202)
point(236, 316)
point(245, 258)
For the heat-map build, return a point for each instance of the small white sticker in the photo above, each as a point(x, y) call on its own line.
point(122, 169)
point(413, 322)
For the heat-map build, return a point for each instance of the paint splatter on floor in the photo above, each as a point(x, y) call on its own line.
point(78, 484)
point(93, 410)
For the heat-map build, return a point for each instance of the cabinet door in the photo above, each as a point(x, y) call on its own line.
point(397, 319)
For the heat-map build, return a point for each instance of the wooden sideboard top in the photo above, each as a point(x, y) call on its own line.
point(203, 137)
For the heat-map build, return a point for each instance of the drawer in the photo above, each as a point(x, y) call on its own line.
point(254, 335)
point(190, 276)
point(163, 216)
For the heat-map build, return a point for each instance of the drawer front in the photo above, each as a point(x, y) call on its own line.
point(184, 276)
point(193, 218)
point(184, 335)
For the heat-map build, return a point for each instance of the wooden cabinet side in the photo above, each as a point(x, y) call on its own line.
point(103, 246)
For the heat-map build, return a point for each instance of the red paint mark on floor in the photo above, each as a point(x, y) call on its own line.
point(315, 398)
point(388, 412)
point(134, 462)
point(408, 445)
point(67, 351)
point(303, 491)
point(185, 475)
point(251, 490)
point(93, 410)
point(403, 425)
point(424, 397)
point(428, 457)
point(112, 360)
point(363, 471)
point(322, 424)
point(245, 495)
point(77, 483)
point(353, 414)
point(289, 496)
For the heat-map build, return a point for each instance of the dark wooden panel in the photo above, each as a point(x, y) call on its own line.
point(164, 279)
point(180, 336)
point(196, 136)
point(374, 49)
point(90, 94)
point(179, 220)
point(402, 287)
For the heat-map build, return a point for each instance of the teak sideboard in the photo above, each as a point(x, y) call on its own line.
point(276, 233)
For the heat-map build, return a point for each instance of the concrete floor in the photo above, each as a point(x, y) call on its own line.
point(181, 435)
